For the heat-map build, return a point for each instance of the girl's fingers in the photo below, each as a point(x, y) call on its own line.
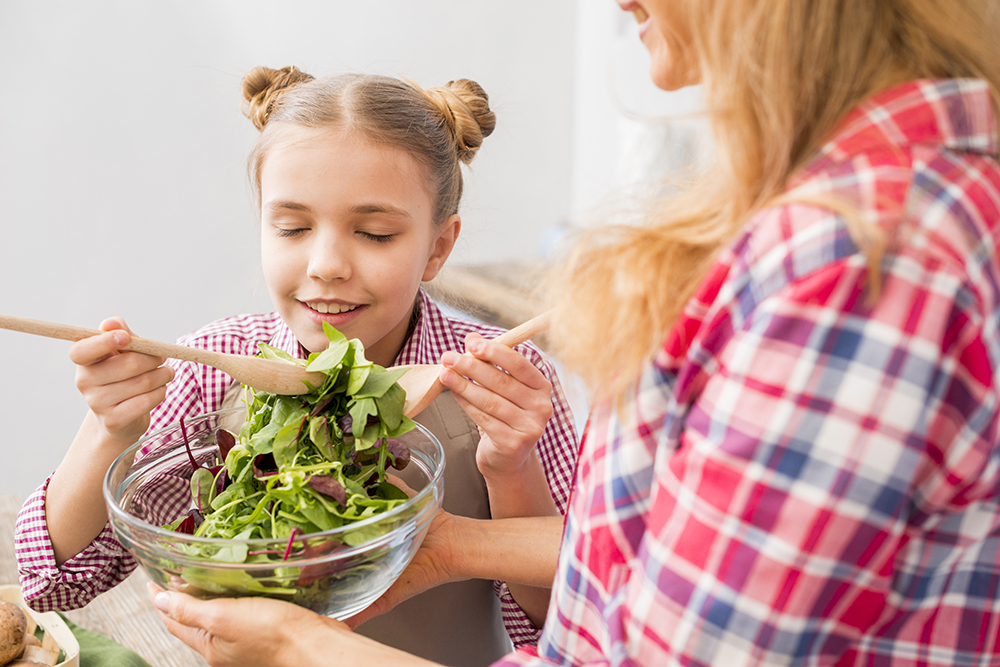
point(521, 386)
point(487, 421)
point(92, 350)
point(493, 391)
point(117, 368)
point(503, 357)
point(105, 347)
point(116, 384)
point(485, 397)
point(131, 414)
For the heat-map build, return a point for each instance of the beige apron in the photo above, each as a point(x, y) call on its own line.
point(457, 624)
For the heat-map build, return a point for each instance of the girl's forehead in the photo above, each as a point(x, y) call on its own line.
point(328, 160)
point(335, 143)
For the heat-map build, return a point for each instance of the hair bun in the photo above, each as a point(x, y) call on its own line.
point(466, 108)
point(262, 86)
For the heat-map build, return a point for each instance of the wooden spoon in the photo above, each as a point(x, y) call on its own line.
point(421, 380)
point(276, 377)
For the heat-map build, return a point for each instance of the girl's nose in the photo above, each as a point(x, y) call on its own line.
point(328, 261)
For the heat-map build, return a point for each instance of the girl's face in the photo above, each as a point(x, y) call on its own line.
point(347, 237)
point(672, 60)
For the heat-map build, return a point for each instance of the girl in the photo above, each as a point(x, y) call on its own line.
point(794, 458)
point(358, 182)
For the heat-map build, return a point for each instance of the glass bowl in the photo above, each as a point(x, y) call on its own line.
point(336, 573)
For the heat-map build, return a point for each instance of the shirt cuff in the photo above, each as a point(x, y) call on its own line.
point(523, 657)
point(521, 630)
point(47, 586)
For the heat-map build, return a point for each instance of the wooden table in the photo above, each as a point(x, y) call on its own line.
point(124, 613)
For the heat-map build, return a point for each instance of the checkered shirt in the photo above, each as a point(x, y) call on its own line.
point(803, 476)
point(197, 389)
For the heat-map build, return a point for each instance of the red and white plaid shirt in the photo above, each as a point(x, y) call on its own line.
point(802, 477)
point(197, 389)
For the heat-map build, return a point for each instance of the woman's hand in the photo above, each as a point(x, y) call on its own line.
point(506, 396)
point(121, 388)
point(247, 632)
point(433, 564)
point(243, 632)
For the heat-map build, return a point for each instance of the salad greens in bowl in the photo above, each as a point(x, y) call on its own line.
point(320, 499)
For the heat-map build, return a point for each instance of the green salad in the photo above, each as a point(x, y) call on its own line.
point(300, 465)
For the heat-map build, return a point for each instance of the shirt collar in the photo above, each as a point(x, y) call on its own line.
point(428, 341)
point(285, 340)
point(431, 334)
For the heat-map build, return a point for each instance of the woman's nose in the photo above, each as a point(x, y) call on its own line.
point(329, 261)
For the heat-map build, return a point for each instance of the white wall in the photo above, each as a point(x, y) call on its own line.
point(122, 147)
point(122, 152)
point(627, 133)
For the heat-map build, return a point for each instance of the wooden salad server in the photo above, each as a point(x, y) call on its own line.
point(421, 380)
point(276, 377)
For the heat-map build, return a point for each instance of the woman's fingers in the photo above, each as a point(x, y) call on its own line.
point(244, 632)
point(171, 611)
point(431, 566)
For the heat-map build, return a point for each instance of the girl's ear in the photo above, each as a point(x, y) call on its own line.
point(447, 235)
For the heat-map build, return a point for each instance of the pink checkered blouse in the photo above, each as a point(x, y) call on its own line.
point(197, 389)
point(802, 477)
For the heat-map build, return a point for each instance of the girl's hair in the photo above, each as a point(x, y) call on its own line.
point(440, 127)
point(777, 76)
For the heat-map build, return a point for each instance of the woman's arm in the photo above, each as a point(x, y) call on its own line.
point(255, 631)
point(523, 551)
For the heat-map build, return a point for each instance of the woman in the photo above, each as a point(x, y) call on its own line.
point(793, 458)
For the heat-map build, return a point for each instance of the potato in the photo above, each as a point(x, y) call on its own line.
point(13, 629)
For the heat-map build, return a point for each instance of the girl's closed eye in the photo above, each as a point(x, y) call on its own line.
point(377, 238)
point(285, 232)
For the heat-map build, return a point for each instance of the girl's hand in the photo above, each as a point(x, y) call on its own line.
point(121, 388)
point(508, 398)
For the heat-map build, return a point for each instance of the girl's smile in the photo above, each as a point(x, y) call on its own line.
point(347, 236)
point(338, 315)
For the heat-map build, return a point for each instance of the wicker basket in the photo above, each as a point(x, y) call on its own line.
point(57, 634)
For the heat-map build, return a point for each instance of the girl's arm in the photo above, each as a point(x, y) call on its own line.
point(65, 521)
point(121, 388)
point(511, 402)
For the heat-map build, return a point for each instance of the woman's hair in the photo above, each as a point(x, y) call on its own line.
point(440, 127)
point(777, 76)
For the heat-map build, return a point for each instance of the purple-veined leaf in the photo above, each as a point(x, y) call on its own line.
point(203, 488)
point(226, 441)
point(329, 486)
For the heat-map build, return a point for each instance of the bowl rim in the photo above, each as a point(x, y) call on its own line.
point(134, 522)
